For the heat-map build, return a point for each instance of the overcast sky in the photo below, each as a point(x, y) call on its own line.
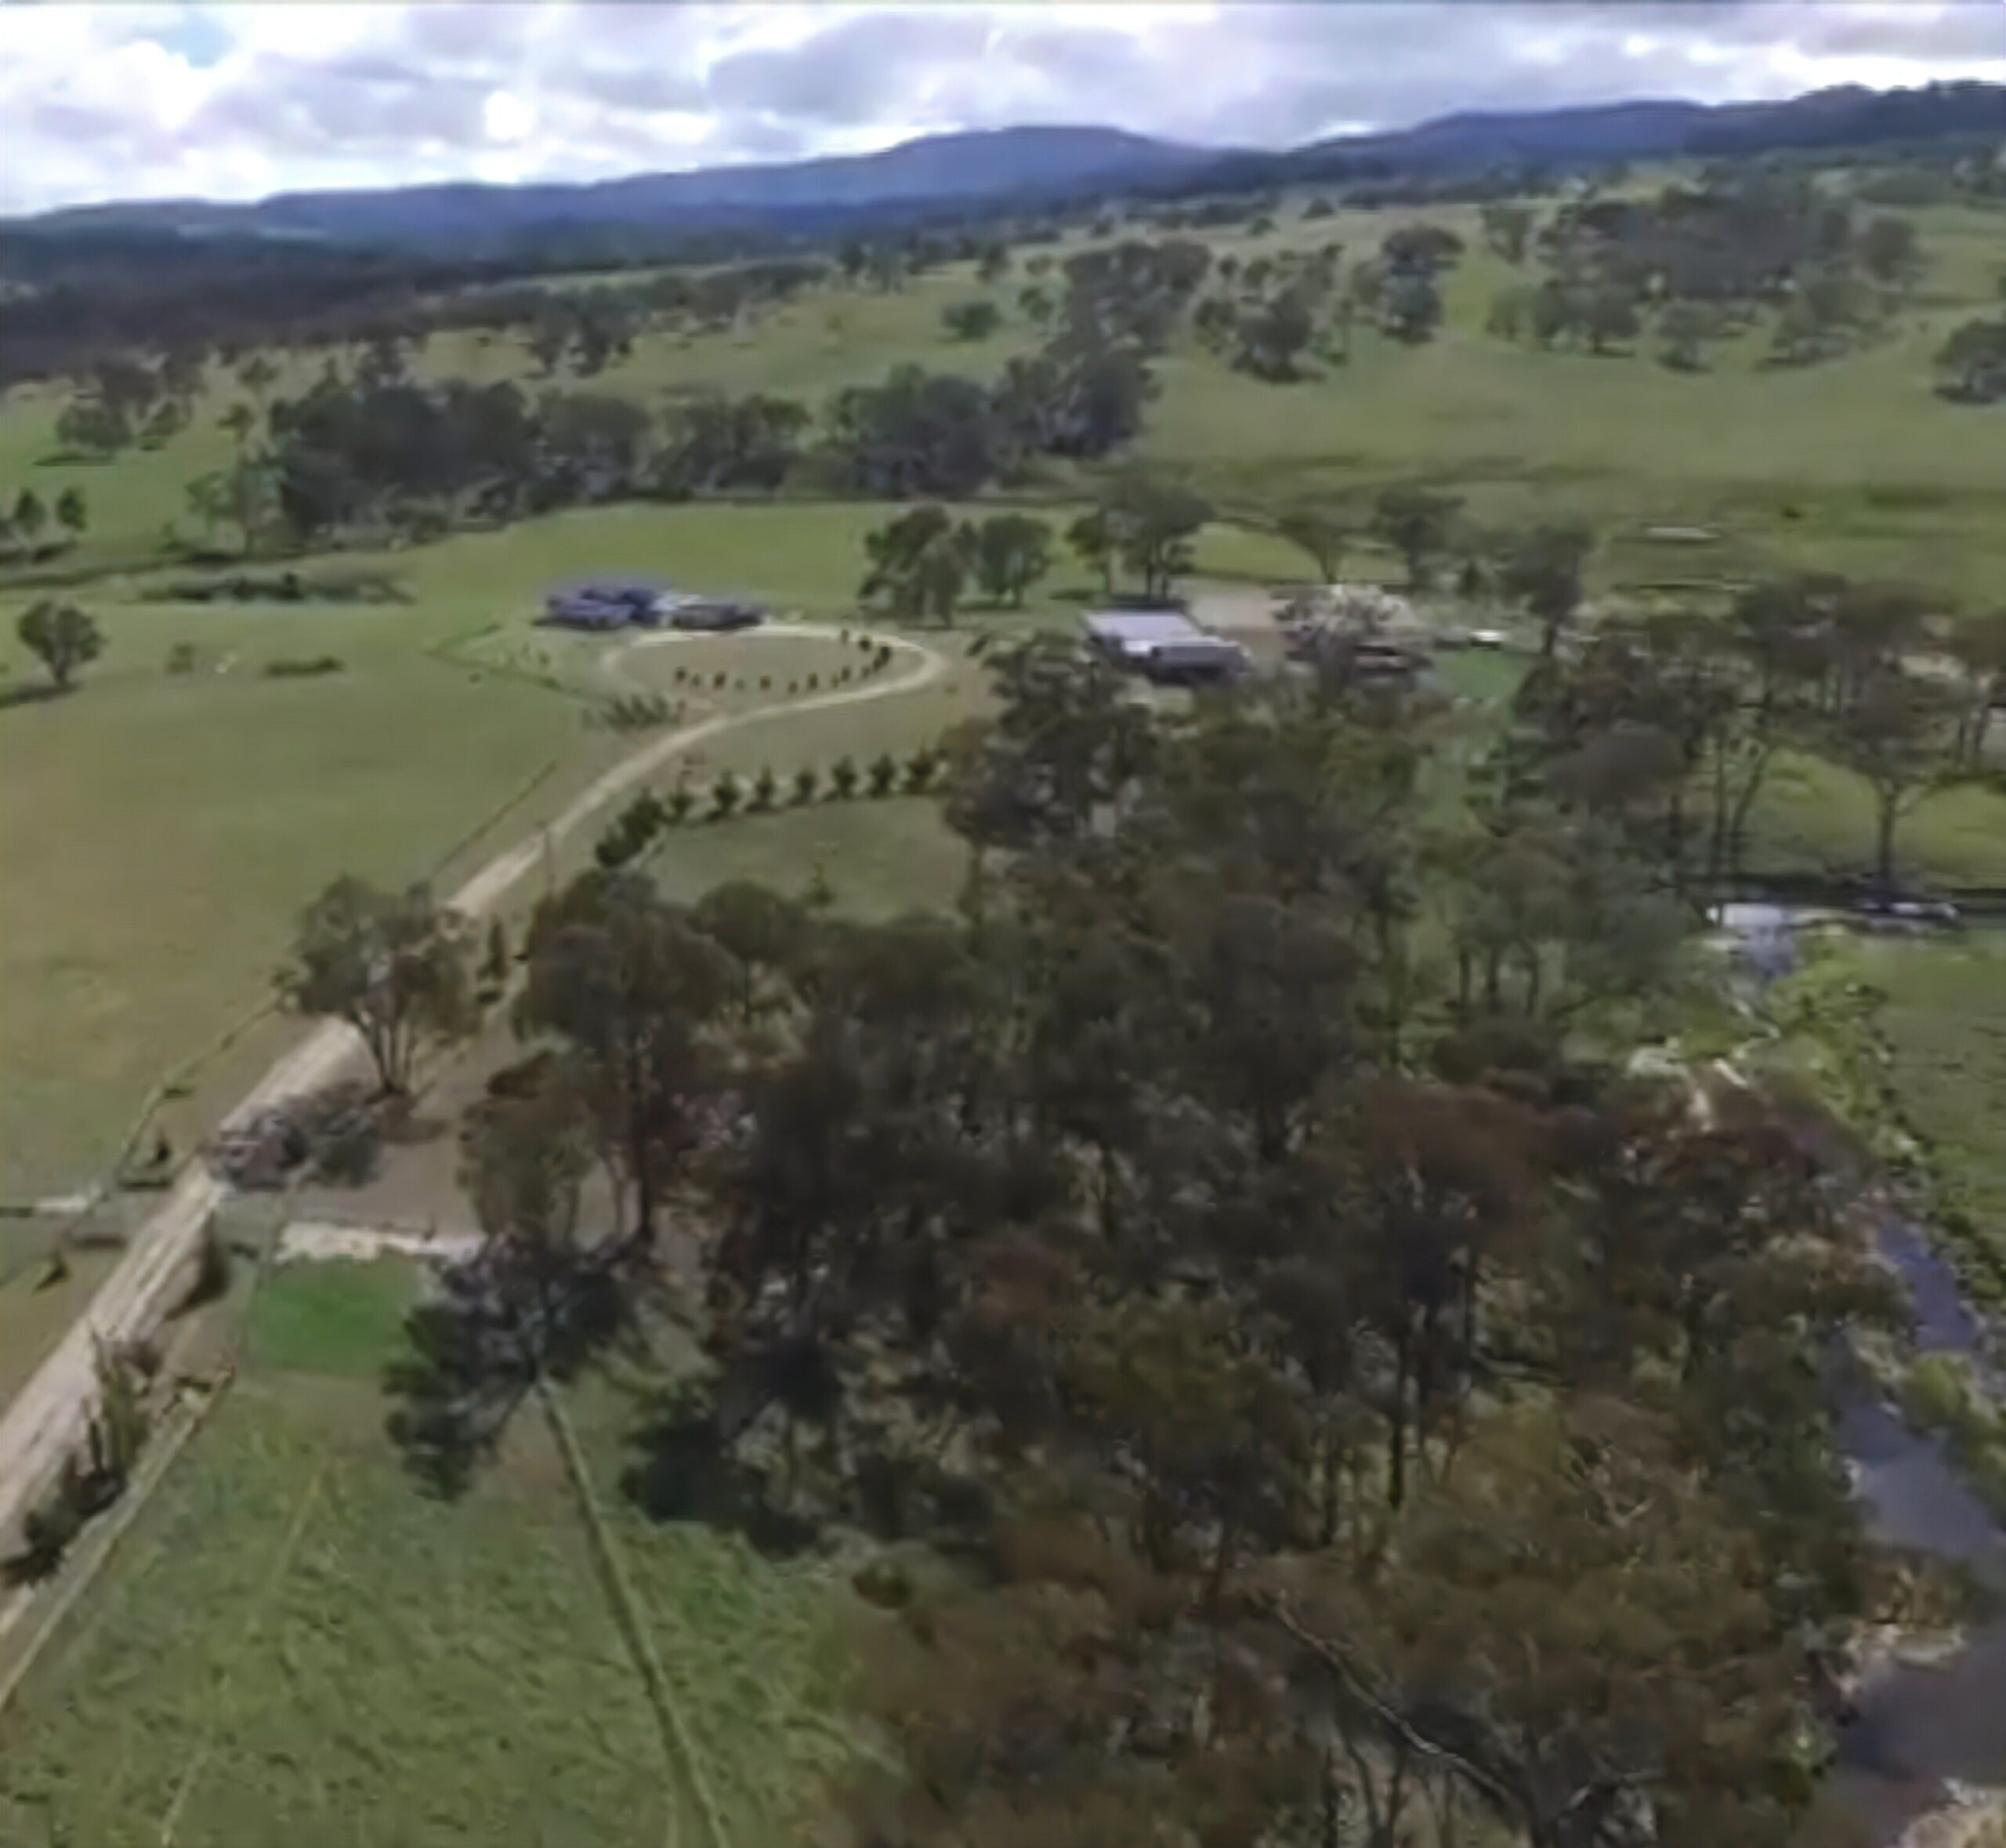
point(238, 100)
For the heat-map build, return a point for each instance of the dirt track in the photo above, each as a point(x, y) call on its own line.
point(44, 1421)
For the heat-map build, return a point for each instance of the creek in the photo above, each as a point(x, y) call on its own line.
point(1921, 1726)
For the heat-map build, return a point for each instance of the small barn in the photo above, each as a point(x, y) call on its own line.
point(1164, 646)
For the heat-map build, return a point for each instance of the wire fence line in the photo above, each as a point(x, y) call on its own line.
point(677, 1741)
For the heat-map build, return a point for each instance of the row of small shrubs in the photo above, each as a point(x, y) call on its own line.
point(284, 587)
point(96, 1477)
point(646, 816)
point(303, 668)
point(880, 659)
point(636, 712)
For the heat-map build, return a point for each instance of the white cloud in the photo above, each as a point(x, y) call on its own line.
point(234, 100)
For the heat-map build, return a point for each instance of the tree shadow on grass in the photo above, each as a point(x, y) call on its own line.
point(472, 1359)
point(35, 692)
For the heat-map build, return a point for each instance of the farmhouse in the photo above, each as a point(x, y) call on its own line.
point(616, 602)
point(604, 603)
point(1164, 645)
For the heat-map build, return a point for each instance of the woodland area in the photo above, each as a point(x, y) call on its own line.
point(1282, 1390)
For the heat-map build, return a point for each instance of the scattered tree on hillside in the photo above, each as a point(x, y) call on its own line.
point(1893, 736)
point(972, 320)
point(392, 965)
point(1506, 229)
point(1013, 551)
point(258, 374)
point(1684, 327)
point(90, 426)
point(920, 564)
point(1971, 365)
point(1417, 524)
point(1092, 542)
point(61, 636)
point(1887, 249)
point(1610, 316)
point(1410, 307)
point(1150, 525)
point(629, 991)
point(72, 512)
point(917, 434)
point(1323, 533)
point(29, 517)
point(1542, 570)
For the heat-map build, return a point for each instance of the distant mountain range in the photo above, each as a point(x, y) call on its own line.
point(987, 168)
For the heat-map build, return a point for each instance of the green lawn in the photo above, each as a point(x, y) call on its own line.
point(295, 1645)
point(879, 858)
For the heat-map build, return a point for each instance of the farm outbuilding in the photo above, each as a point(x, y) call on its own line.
point(1164, 645)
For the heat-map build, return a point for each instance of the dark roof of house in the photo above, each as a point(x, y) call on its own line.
point(608, 590)
point(1133, 628)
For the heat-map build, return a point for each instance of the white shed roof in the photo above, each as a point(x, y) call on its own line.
point(1130, 628)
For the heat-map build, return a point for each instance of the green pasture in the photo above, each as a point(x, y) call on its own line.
point(1944, 1017)
point(1853, 465)
point(161, 830)
point(295, 1644)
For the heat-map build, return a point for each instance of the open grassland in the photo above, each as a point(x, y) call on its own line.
point(295, 1646)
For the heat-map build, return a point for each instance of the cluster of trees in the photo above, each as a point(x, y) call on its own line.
point(123, 400)
point(1703, 259)
point(26, 523)
point(1670, 725)
point(1274, 310)
point(382, 449)
point(1349, 1412)
point(923, 562)
point(1080, 396)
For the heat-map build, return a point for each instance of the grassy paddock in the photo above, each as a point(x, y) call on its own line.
point(161, 830)
point(295, 1645)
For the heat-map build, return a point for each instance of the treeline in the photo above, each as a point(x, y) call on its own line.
point(1349, 1406)
point(159, 313)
